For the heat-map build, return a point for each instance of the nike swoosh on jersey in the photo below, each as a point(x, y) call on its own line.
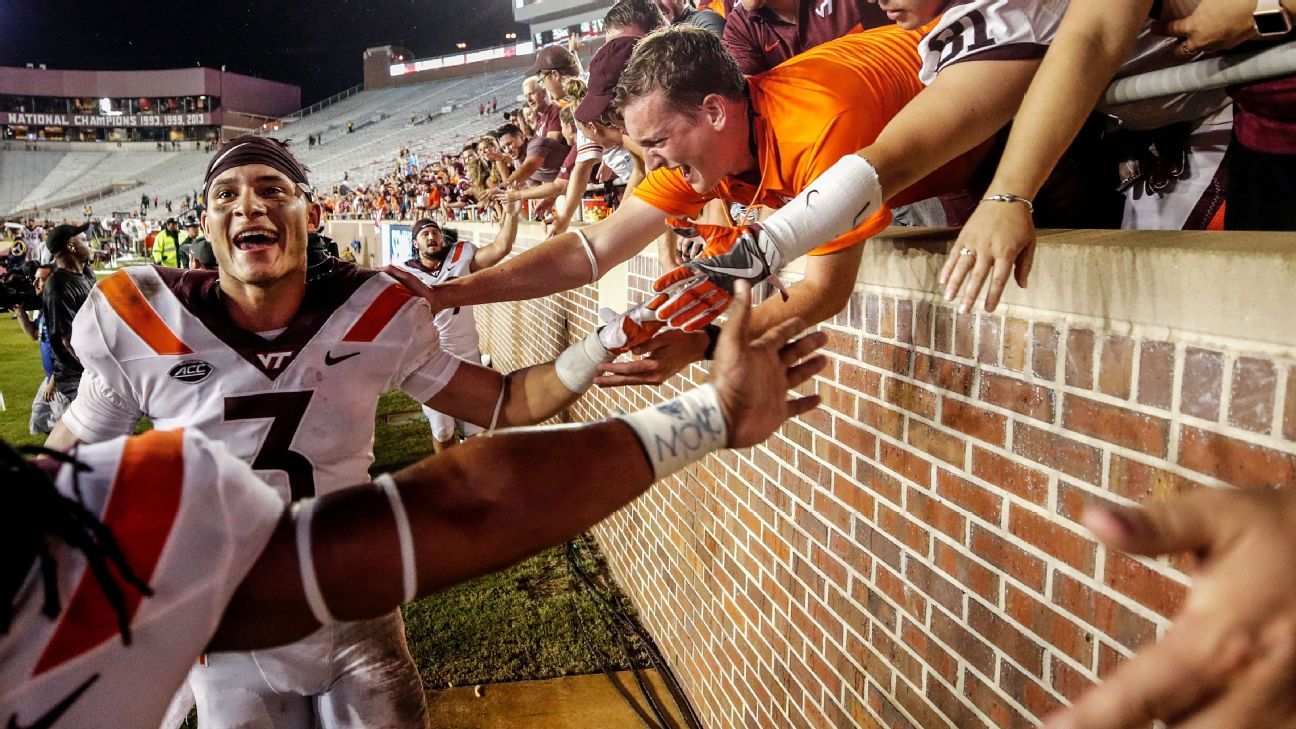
point(330, 360)
point(48, 719)
point(771, 46)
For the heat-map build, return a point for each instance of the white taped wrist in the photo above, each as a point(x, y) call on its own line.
point(680, 431)
point(845, 195)
point(303, 512)
point(404, 535)
point(580, 363)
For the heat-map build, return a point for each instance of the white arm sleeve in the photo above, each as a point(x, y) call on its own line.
point(105, 406)
point(833, 205)
point(425, 367)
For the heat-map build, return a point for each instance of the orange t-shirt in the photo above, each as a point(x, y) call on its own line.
point(811, 111)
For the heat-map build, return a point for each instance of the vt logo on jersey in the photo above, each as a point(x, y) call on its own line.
point(274, 360)
point(190, 371)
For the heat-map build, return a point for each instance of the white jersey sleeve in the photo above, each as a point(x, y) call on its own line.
point(191, 520)
point(106, 405)
point(425, 367)
point(989, 30)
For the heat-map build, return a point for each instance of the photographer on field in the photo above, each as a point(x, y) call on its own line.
point(42, 420)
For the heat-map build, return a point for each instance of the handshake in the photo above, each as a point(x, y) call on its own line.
point(694, 294)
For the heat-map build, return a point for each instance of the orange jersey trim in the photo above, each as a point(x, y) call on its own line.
point(125, 299)
point(459, 249)
point(141, 511)
point(380, 312)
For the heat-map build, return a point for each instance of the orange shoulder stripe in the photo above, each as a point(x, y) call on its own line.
point(125, 299)
point(459, 249)
point(141, 511)
point(381, 311)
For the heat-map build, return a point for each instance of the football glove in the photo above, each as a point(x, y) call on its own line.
point(623, 332)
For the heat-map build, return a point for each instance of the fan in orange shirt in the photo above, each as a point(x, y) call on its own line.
point(711, 133)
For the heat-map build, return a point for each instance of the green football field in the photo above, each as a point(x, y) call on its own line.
point(527, 622)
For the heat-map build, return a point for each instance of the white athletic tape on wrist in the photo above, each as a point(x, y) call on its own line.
point(680, 431)
point(409, 570)
point(589, 253)
point(580, 363)
point(303, 512)
point(845, 195)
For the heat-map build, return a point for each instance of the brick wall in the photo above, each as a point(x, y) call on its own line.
point(909, 555)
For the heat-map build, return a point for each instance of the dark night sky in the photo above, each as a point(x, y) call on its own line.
point(316, 45)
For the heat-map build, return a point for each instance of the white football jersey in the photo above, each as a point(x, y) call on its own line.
point(1000, 30)
point(458, 326)
point(191, 521)
point(298, 406)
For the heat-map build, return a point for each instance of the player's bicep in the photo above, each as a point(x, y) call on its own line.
point(627, 231)
point(471, 394)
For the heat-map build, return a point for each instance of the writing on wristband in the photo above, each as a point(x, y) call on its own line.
point(1008, 197)
point(680, 431)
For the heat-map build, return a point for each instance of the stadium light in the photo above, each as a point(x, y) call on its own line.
point(510, 36)
point(461, 45)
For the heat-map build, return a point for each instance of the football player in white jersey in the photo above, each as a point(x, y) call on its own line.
point(116, 576)
point(437, 260)
point(979, 57)
point(284, 363)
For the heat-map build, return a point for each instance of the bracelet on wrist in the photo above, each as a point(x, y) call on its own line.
point(1010, 198)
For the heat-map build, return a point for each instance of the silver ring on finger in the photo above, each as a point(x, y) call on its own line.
point(967, 252)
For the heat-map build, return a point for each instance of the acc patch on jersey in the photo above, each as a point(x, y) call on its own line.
point(191, 371)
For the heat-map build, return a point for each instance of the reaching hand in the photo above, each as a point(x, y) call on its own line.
point(668, 352)
point(752, 376)
point(412, 282)
point(1215, 25)
point(621, 332)
point(1229, 660)
point(693, 295)
point(998, 239)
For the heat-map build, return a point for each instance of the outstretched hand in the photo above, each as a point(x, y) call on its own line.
point(753, 375)
point(997, 243)
point(417, 287)
point(1229, 660)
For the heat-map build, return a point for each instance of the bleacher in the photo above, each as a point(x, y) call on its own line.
point(381, 121)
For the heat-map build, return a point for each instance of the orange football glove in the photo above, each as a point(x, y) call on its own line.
point(623, 332)
point(691, 296)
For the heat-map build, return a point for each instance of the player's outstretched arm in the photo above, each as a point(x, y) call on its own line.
point(559, 264)
point(1229, 660)
point(497, 499)
point(489, 255)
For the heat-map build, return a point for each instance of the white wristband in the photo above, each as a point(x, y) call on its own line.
point(680, 431)
point(302, 512)
point(579, 364)
point(404, 535)
point(845, 195)
point(589, 253)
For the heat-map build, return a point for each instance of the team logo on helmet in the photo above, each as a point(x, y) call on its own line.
point(191, 371)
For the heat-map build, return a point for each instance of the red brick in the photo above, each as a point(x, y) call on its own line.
point(942, 445)
point(961, 640)
point(1147, 586)
point(964, 334)
point(876, 480)
point(855, 311)
point(1069, 682)
point(859, 379)
point(1023, 481)
point(855, 438)
point(976, 499)
point(932, 584)
point(1014, 346)
point(912, 702)
point(952, 706)
point(1027, 691)
point(1116, 425)
point(1102, 612)
point(1079, 358)
point(1116, 366)
point(1203, 381)
point(937, 515)
point(872, 313)
point(969, 573)
point(903, 529)
point(1021, 397)
point(1289, 409)
point(906, 463)
point(1011, 559)
point(1056, 630)
point(837, 399)
point(988, 342)
point(887, 356)
point(944, 373)
point(1073, 500)
point(1251, 397)
point(877, 606)
point(1141, 482)
point(1015, 644)
point(910, 397)
point(877, 544)
point(887, 328)
point(927, 649)
point(923, 324)
point(909, 599)
point(1233, 461)
point(844, 343)
point(1108, 658)
point(904, 321)
point(1156, 374)
point(993, 704)
point(1048, 535)
point(1044, 346)
point(943, 338)
point(881, 418)
point(1059, 452)
point(896, 654)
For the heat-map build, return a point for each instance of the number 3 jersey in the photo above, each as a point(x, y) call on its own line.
point(190, 520)
point(458, 326)
point(297, 404)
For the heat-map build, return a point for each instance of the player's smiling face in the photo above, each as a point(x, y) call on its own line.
point(695, 144)
point(257, 221)
point(431, 243)
point(911, 14)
